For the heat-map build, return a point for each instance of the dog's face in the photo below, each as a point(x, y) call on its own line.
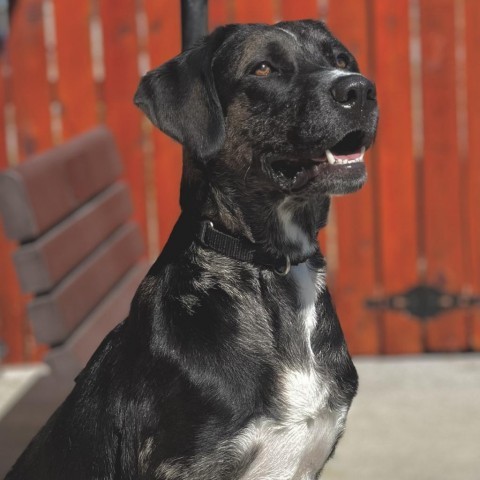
point(281, 108)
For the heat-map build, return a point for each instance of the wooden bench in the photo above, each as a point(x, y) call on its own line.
point(79, 253)
point(80, 257)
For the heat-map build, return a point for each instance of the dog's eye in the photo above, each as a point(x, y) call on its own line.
point(263, 69)
point(342, 61)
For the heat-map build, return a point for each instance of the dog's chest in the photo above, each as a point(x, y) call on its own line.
point(297, 442)
point(296, 446)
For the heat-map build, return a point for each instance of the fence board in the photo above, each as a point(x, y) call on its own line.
point(299, 9)
point(355, 278)
point(12, 306)
point(379, 233)
point(11, 301)
point(441, 170)
point(121, 80)
point(76, 87)
point(396, 170)
point(28, 62)
point(219, 13)
point(249, 11)
point(472, 63)
point(164, 43)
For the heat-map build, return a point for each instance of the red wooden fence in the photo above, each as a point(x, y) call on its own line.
point(71, 65)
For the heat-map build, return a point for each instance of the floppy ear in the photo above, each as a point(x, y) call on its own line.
point(180, 98)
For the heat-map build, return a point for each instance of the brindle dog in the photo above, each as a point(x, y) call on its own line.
point(231, 364)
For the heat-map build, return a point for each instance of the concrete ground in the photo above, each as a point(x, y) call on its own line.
point(15, 381)
point(415, 418)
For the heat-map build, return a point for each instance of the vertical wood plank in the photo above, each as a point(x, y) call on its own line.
point(299, 9)
point(76, 87)
point(31, 97)
point(26, 50)
point(13, 328)
point(12, 312)
point(472, 63)
point(396, 170)
point(443, 229)
point(355, 278)
point(121, 80)
point(219, 13)
point(164, 41)
point(250, 11)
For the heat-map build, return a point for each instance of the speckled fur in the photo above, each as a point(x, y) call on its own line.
point(225, 370)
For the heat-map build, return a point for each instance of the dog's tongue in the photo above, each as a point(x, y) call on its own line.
point(350, 156)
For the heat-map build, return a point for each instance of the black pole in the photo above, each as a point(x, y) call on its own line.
point(194, 21)
point(194, 24)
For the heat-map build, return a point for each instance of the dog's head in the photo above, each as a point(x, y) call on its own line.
point(278, 109)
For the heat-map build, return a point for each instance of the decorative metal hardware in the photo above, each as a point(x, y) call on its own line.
point(423, 302)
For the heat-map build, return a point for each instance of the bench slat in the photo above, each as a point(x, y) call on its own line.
point(37, 194)
point(43, 263)
point(68, 359)
point(55, 315)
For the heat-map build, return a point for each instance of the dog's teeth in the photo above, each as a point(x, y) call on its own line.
point(330, 157)
point(362, 153)
point(333, 160)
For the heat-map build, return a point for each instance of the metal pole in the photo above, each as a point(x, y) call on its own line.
point(194, 21)
point(194, 24)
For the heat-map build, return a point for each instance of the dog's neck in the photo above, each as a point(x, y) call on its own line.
point(284, 225)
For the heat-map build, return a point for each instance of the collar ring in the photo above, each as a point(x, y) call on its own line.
point(284, 269)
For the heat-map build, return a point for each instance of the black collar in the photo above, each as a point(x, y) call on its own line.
point(242, 249)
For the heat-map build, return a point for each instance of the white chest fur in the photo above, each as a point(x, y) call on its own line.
point(292, 232)
point(296, 445)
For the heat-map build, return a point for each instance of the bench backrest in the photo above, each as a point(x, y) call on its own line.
point(79, 254)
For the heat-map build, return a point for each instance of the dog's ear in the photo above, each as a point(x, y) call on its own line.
point(180, 98)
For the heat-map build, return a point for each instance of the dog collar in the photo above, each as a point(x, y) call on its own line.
point(242, 249)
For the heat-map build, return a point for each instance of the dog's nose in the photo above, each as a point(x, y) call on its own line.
point(352, 91)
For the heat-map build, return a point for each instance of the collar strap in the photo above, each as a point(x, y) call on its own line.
point(241, 249)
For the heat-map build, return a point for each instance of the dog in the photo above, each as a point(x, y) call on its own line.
point(232, 364)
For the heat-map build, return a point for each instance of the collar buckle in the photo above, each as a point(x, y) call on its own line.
point(204, 226)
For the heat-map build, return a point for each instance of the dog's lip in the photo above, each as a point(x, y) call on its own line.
point(293, 173)
point(311, 168)
point(326, 164)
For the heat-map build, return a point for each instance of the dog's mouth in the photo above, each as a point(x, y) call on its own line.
point(294, 174)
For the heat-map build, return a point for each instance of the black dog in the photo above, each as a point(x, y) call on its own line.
point(232, 363)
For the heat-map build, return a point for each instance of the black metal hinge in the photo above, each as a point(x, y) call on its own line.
point(423, 302)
